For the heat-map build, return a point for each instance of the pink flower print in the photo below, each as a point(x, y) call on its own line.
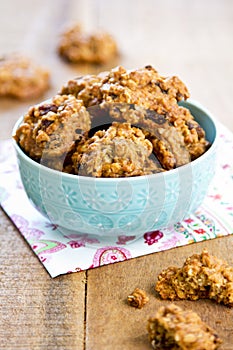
point(200, 231)
point(188, 221)
point(229, 208)
point(152, 237)
point(113, 258)
point(215, 196)
point(108, 255)
point(80, 240)
point(44, 258)
point(124, 239)
point(76, 244)
point(226, 166)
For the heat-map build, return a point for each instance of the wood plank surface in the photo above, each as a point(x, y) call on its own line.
point(36, 312)
point(88, 310)
point(108, 287)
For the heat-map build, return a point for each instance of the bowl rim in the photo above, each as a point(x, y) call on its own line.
point(121, 179)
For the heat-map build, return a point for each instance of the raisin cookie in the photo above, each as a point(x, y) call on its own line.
point(77, 46)
point(175, 328)
point(201, 276)
point(144, 87)
point(21, 78)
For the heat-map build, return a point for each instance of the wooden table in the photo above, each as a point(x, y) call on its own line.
point(88, 310)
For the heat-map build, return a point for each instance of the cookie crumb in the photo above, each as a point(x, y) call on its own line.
point(138, 298)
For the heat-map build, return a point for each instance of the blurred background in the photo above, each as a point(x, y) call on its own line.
point(190, 39)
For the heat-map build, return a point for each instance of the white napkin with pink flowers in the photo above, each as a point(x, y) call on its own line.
point(61, 254)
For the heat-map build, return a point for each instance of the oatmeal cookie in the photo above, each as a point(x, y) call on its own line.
point(50, 130)
point(202, 276)
point(118, 151)
point(21, 78)
point(146, 88)
point(168, 143)
point(174, 328)
point(77, 46)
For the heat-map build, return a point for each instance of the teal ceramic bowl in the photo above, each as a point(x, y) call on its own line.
point(110, 207)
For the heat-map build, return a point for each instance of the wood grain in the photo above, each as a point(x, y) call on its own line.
point(36, 312)
point(88, 310)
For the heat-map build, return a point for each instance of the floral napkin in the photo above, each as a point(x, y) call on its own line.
point(74, 252)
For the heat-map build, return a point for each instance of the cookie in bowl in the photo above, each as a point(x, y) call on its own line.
point(106, 167)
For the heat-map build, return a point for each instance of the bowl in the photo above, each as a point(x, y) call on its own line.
point(111, 207)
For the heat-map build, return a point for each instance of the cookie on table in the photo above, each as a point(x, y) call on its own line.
point(75, 46)
point(175, 328)
point(21, 78)
point(201, 276)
